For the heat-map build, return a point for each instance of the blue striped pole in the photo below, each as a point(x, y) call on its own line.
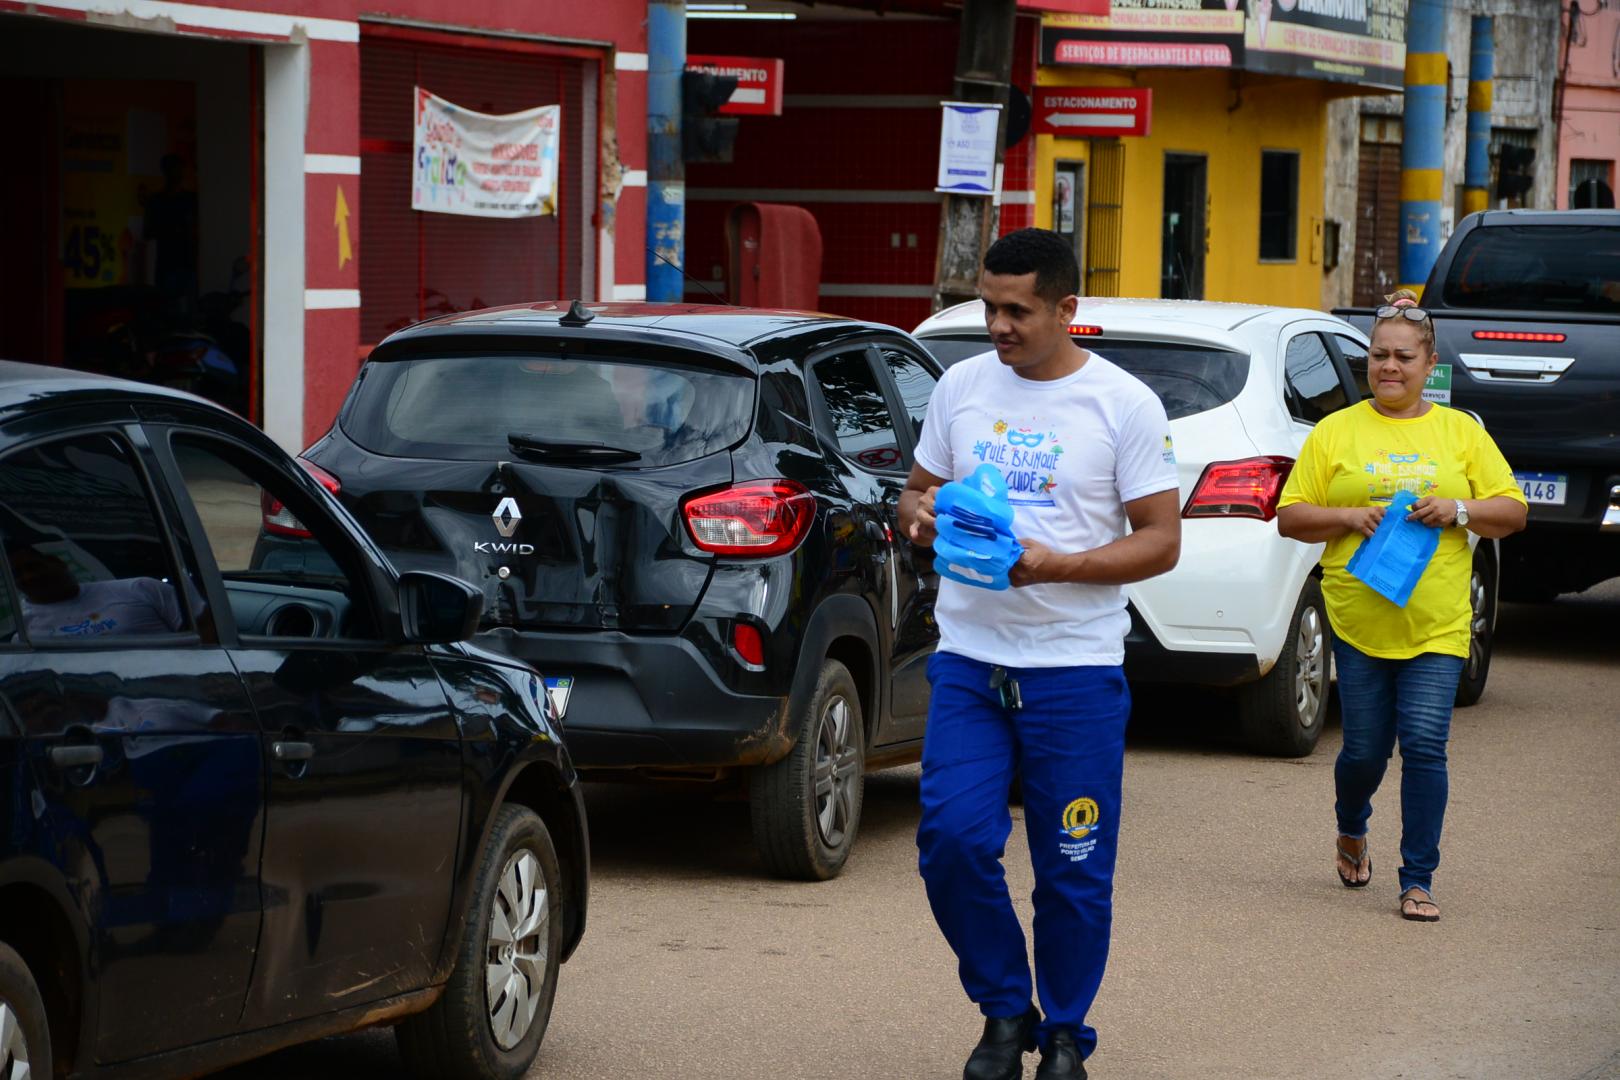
point(1481, 71)
point(1423, 144)
point(666, 169)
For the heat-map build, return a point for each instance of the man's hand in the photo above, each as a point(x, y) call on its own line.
point(1362, 519)
point(1035, 566)
point(1436, 512)
point(923, 527)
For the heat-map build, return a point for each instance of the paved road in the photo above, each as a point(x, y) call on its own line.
point(1236, 952)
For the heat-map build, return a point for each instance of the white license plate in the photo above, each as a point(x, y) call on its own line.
point(1548, 489)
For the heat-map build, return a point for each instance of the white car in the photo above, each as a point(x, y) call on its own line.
point(1242, 384)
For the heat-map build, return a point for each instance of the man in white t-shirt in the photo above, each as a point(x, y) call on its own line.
point(1030, 679)
point(55, 604)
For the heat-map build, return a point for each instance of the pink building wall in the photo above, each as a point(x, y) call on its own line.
point(1590, 128)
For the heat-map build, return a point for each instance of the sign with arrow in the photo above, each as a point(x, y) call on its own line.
point(340, 222)
point(1084, 112)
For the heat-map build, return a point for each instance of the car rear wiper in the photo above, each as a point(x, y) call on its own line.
point(563, 450)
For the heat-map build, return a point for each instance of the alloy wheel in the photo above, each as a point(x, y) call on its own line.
point(519, 941)
point(1310, 666)
point(13, 1046)
point(1478, 624)
point(837, 772)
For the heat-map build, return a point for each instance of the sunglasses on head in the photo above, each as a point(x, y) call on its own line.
point(1405, 311)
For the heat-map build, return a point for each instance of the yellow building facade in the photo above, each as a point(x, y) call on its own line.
point(1228, 120)
point(1224, 197)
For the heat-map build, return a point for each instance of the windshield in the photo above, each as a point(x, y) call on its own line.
point(481, 407)
point(1189, 379)
point(1557, 268)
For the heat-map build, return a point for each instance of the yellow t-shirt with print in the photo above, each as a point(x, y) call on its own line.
point(1360, 457)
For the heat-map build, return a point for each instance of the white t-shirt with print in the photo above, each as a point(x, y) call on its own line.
point(139, 605)
point(1073, 451)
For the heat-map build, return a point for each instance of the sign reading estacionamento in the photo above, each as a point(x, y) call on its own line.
point(472, 163)
point(1093, 111)
point(759, 82)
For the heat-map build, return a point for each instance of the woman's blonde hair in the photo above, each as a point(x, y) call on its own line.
point(1409, 298)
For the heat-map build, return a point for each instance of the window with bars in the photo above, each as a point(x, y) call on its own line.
point(416, 265)
point(1105, 217)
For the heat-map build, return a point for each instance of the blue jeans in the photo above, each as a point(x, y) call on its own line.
point(1382, 702)
point(1068, 744)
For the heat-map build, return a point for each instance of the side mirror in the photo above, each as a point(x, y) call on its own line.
point(437, 608)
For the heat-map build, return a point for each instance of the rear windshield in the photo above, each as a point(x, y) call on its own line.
point(1555, 268)
point(1189, 379)
point(469, 408)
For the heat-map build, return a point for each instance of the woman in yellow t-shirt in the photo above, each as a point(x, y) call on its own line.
point(1398, 665)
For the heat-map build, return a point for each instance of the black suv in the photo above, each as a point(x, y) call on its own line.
point(686, 517)
point(241, 807)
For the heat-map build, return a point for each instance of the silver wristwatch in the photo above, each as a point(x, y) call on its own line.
point(1462, 514)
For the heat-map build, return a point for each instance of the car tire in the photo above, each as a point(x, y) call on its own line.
point(25, 1033)
point(475, 1031)
point(1282, 713)
point(806, 808)
point(1482, 585)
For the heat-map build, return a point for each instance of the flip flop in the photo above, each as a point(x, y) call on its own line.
point(1350, 856)
point(1418, 896)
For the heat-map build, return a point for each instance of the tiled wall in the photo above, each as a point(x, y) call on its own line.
point(838, 138)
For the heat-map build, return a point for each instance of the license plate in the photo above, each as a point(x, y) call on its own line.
point(1549, 489)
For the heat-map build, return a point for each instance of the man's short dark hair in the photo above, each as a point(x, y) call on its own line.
point(1041, 252)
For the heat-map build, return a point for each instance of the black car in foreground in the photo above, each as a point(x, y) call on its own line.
point(241, 806)
point(686, 517)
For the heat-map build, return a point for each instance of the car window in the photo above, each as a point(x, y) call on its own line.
point(957, 347)
point(1552, 268)
point(915, 383)
point(1355, 355)
point(85, 546)
point(467, 408)
point(1188, 379)
point(1312, 382)
point(283, 580)
point(858, 411)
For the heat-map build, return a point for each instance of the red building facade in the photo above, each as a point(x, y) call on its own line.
point(270, 143)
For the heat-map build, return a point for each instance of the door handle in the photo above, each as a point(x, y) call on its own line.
point(75, 757)
point(292, 751)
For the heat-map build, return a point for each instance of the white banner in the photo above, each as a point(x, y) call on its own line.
point(967, 148)
point(467, 162)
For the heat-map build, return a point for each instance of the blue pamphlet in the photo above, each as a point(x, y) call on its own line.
point(974, 519)
point(1391, 560)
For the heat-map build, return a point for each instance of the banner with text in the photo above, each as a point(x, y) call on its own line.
point(472, 163)
point(1356, 41)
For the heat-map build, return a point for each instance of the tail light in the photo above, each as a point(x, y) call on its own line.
point(759, 517)
point(278, 520)
point(1517, 335)
point(1248, 488)
point(1078, 330)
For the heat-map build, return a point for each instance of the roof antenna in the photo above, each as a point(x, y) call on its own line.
point(655, 253)
point(578, 315)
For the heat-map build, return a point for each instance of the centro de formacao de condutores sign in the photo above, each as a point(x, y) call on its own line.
point(1355, 41)
point(466, 162)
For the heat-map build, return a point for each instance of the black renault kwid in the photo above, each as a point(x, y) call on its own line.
point(245, 806)
point(686, 517)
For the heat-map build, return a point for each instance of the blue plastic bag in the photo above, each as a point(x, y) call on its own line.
point(975, 545)
point(1391, 560)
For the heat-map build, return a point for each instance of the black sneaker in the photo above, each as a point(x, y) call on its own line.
point(1001, 1049)
point(1060, 1058)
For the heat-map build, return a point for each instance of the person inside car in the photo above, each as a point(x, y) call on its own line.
point(1398, 665)
point(55, 604)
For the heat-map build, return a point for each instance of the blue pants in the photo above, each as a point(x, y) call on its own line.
point(1383, 701)
point(1068, 744)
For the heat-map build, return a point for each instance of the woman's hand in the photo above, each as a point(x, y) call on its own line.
point(1435, 512)
point(1361, 519)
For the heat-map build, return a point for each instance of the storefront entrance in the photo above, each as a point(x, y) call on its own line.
point(1185, 184)
point(128, 225)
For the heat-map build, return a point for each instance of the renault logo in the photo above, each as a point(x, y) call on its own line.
point(506, 516)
